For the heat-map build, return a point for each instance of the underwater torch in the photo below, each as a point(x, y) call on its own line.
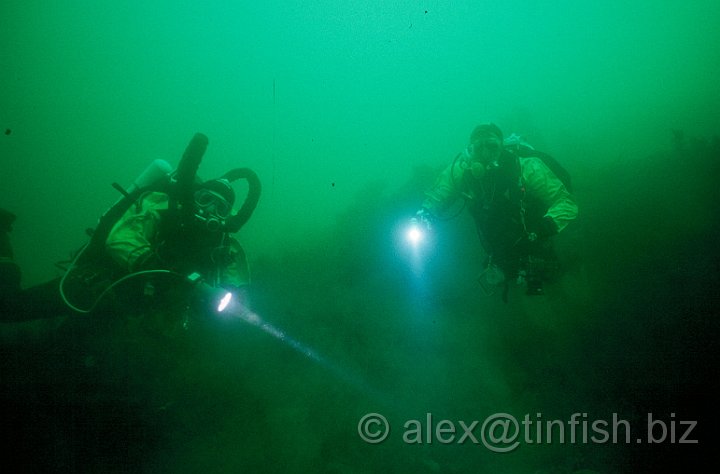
point(414, 234)
point(414, 240)
point(209, 298)
point(418, 230)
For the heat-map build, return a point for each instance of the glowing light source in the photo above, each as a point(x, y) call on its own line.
point(234, 308)
point(414, 235)
point(224, 302)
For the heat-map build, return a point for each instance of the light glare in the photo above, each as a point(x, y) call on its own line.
point(224, 302)
point(414, 235)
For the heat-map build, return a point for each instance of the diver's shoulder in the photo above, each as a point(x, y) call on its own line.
point(530, 160)
point(532, 164)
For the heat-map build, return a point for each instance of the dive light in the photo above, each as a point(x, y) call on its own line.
point(211, 299)
point(415, 234)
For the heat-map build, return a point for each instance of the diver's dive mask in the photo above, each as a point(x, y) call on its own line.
point(213, 204)
point(483, 156)
point(481, 149)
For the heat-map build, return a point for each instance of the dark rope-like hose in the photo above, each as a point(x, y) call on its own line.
point(240, 218)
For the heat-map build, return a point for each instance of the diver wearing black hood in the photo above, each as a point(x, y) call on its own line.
point(167, 226)
point(185, 226)
point(517, 201)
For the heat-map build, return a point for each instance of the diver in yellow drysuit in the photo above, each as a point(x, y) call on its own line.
point(144, 239)
point(170, 235)
point(517, 203)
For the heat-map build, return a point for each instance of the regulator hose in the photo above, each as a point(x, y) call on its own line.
point(239, 219)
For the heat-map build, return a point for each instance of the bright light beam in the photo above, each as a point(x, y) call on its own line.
point(242, 312)
point(414, 235)
point(414, 238)
point(224, 302)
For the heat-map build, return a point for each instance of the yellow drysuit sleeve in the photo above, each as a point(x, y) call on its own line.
point(130, 240)
point(542, 184)
point(446, 190)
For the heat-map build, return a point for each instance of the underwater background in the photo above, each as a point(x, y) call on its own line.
point(347, 110)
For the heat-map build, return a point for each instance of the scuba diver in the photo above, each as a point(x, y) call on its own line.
point(17, 303)
point(518, 200)
point(167, 243)
point(9, 270)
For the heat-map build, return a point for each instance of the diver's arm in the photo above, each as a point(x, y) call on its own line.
point(130, 240)
point(446, 190)
point(127, 244)
point(542, 183)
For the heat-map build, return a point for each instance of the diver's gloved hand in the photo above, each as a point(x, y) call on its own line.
point(546, 229)
point(423, 218)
